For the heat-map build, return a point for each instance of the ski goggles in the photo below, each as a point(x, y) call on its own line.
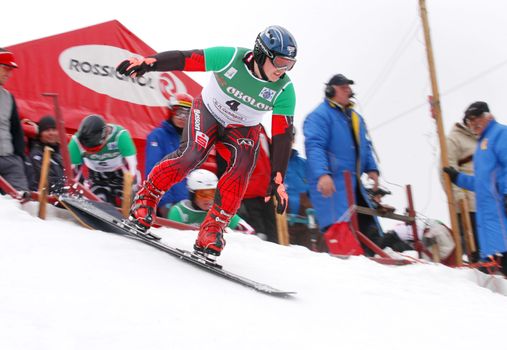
point(283, 62)
point(205, 194)
point(94, 149)
point(182, 113)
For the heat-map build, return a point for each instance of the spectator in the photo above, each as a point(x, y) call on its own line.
point(202, 186)
point(254, 208)
point(336, 141)
point(108, 152)
point(12, 145)
point(246, 86)
point(47, 136)
point(461, 144)
point(297, 190)
point(489, 181)
point(166, 139)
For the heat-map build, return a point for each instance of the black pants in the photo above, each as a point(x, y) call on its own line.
point(503, 263)
point(108, 186)
point(367, 225)
point(300, 234)
point(12, 169)
point(261, 216)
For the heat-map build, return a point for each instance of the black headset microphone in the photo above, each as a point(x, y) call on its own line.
point(330, 92)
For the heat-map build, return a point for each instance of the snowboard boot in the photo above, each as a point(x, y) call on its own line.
point(210, 240)
point(144, 207)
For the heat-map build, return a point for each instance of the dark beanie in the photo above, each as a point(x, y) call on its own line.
point(47, 122)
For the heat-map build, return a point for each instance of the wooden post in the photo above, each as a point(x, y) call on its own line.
point(43, 182)
point(467, 228)
point(127, 193)
point(60, 127)
point(282, 227)
point(441, 134)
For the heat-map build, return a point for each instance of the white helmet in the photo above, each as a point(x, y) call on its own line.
point(201, 179)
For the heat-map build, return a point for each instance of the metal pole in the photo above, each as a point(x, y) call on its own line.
point(354, 220)
point(419, 247)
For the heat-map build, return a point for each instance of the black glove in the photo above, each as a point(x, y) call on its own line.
point(453, 173)
point(136, 67)
point(276, 188)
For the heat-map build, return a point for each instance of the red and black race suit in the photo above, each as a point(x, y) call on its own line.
point(239, 146)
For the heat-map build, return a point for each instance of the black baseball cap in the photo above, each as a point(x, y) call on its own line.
point(476, 109)
point(340, 79)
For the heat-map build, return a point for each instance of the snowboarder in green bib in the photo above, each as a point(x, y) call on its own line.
point(108, 151)
point(202, 186)
point(246, 86)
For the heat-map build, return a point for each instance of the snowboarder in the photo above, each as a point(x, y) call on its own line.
point(202, 186)
point(246, 85)
point(108, 151)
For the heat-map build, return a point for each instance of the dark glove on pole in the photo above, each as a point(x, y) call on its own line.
point(276, 188)
point(453, 173)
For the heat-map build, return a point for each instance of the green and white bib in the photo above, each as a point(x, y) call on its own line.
point(235, 97)
point(184, 212)
point(119, 145)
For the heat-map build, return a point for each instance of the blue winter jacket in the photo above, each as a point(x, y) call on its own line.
point(331, 149)
point(490, 185)
point(295, 180)
point(159, 143)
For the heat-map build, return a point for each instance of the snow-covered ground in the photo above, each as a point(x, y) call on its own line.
point(65, 287)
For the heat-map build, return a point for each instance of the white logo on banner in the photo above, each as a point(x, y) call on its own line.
point(94, 66)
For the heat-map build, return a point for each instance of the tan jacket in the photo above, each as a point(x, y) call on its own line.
point(461, 144)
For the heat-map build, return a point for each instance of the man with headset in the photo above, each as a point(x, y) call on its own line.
point(336, 141)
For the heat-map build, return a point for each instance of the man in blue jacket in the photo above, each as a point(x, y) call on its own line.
point(489, 181)
point(336, 141)
point(164, 140)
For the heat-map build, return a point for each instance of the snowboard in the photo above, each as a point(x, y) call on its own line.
point(105, 217)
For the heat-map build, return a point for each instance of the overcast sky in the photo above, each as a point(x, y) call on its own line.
point(377, 43)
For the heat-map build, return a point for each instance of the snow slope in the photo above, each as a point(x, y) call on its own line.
point(65, 287)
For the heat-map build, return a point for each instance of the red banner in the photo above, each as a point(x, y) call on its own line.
point(80, 67)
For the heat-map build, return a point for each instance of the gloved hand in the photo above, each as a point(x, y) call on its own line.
point(276, 188)
point(136, 67)
point(453, 173)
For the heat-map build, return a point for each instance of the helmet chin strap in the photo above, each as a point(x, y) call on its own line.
point(260, 60)
point(261, 70)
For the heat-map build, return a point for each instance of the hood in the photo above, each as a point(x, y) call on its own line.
point(462, 130)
